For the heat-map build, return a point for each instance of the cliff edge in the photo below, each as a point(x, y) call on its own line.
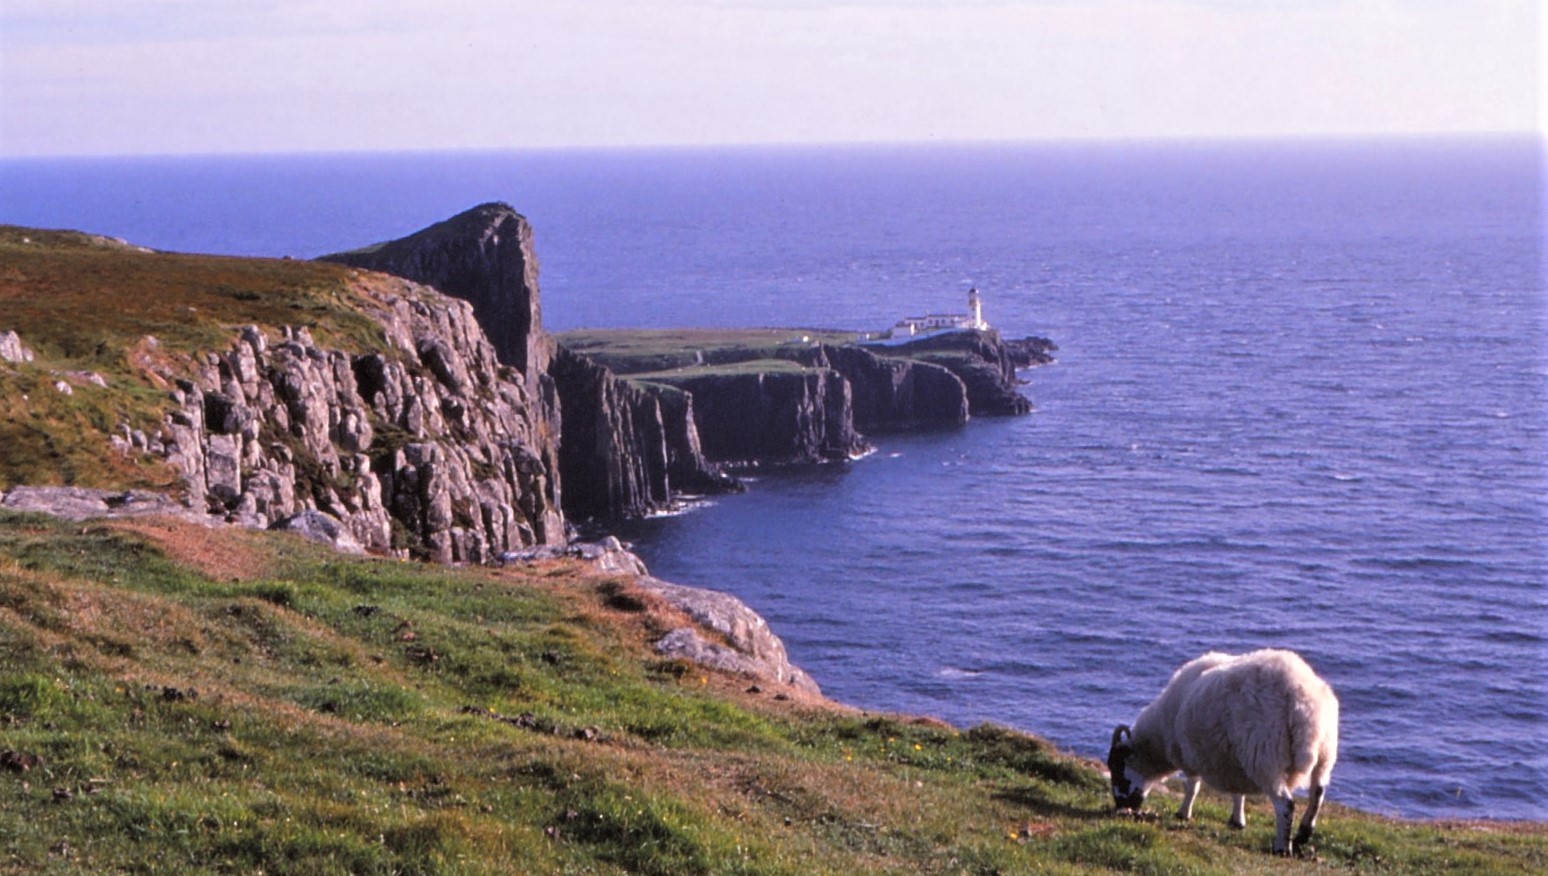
point(619, 452)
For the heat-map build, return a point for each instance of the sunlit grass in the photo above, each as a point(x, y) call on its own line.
point(302, 712)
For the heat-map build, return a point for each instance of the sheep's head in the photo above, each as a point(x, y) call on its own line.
point(1128, 785)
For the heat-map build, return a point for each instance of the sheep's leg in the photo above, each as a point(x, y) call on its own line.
point(1239, 812)
point(1284, 814)
point(1309, 820)
point(1190, 792)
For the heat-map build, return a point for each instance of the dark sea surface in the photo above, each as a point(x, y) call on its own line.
point(1301, 401)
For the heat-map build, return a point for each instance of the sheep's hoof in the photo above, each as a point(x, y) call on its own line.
point(1306, 853)
point(1237, 825)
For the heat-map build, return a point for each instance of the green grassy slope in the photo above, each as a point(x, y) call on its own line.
point(174, 699)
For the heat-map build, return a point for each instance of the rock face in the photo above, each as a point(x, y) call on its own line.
point(483, 256)
point(619, 452)
point(626, 451)
point(12, 349)
point(892, 393)
point(689, 471)
point(774, 416)
point(613, 452)
point(985, 365)
point(429, 448)
point(727, 635)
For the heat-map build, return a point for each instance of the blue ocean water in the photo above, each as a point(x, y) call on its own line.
point(1301, 400)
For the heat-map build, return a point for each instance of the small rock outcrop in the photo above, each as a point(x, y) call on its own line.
point(727, 635)
point(82, 503)
point(322, 528)
point(12, 349)
point(750, 648)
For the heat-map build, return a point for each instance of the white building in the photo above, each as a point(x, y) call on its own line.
point(909, 326)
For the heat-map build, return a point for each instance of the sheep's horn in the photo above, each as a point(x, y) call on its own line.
point(1122, 731)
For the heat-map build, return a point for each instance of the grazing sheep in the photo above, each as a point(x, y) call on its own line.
point(1260, 723)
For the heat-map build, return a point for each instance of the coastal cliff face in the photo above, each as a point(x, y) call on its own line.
point(613, 453)
point(893, 394)
point(627, 450)
point(429, 447)
point(802, 415)
point(765, 396)
point(618, 452)
point(984, 363)
point(485, 257)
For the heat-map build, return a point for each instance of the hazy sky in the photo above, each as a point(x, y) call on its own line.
point(181, 76)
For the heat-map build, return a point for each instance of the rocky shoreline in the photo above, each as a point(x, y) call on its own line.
point(463, 432)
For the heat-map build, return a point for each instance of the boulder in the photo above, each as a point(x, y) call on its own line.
point(322, 528)
point(12, 349)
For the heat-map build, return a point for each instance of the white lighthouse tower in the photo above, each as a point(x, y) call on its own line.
point(976, 309)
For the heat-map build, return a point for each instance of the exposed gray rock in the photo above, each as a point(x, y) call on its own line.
point(753, 647)
point(426, 448)
point(729, 635)
point(12, 349)
point(773, 416)
point(321, 528)
point(483, 256)
point(80, 503)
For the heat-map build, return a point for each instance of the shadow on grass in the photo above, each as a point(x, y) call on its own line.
point(1040, 801)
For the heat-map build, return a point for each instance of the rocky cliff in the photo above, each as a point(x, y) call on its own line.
point(891, 393)
point(428, 447)
point(618, 451)
point(485, 257)
point(761, 397)
point(797, 415)
point(984, 363)
point(613, 451)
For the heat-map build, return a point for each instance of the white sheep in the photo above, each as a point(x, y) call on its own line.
point(1259, 723)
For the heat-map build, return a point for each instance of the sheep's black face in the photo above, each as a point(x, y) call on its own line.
point(1128, 788)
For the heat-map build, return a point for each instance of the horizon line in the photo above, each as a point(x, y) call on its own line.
point(1149, 139)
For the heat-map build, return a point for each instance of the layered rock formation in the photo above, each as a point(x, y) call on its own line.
point(612, 453)
point(428, 447)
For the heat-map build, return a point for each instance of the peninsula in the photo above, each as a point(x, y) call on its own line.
point(191, 684)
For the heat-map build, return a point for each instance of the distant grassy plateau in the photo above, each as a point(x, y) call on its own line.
point(642, 354)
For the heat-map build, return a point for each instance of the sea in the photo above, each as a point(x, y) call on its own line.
point(1301, 401)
